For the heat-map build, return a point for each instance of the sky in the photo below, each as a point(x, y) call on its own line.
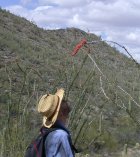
point(115, 20)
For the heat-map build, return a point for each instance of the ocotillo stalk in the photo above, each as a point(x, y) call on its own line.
point(82, 43)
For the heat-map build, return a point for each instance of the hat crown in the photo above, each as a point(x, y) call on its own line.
point(47, 104)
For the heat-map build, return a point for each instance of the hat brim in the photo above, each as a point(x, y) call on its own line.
point(48, 123)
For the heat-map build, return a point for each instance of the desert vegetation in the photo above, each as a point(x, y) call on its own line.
point(102, 85)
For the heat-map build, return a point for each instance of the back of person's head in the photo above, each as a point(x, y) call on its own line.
point(64, 111)
point(65, 107)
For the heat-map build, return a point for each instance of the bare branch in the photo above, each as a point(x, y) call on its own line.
point(125, 50)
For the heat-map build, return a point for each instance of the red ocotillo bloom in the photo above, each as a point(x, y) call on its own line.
point(78, 46)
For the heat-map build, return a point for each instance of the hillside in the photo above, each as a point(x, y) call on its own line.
point(34, 61)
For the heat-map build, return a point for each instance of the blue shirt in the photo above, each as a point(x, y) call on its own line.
point(57, 143)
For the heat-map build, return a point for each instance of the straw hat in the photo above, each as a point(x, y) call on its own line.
point(49, 106)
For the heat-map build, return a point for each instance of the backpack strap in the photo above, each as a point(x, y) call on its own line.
point(44, 133)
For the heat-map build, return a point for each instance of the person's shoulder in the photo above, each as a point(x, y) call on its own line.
point(56, 137)
point(60, 132)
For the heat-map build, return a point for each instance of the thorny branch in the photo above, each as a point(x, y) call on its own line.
point(124, 49)
point(129, 95)
point(103, 88)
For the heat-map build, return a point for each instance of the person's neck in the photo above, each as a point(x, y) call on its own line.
point(59, 121)
point(62, 120)
point(61, 125)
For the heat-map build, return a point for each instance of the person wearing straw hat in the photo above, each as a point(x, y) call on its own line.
point(55, 111)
